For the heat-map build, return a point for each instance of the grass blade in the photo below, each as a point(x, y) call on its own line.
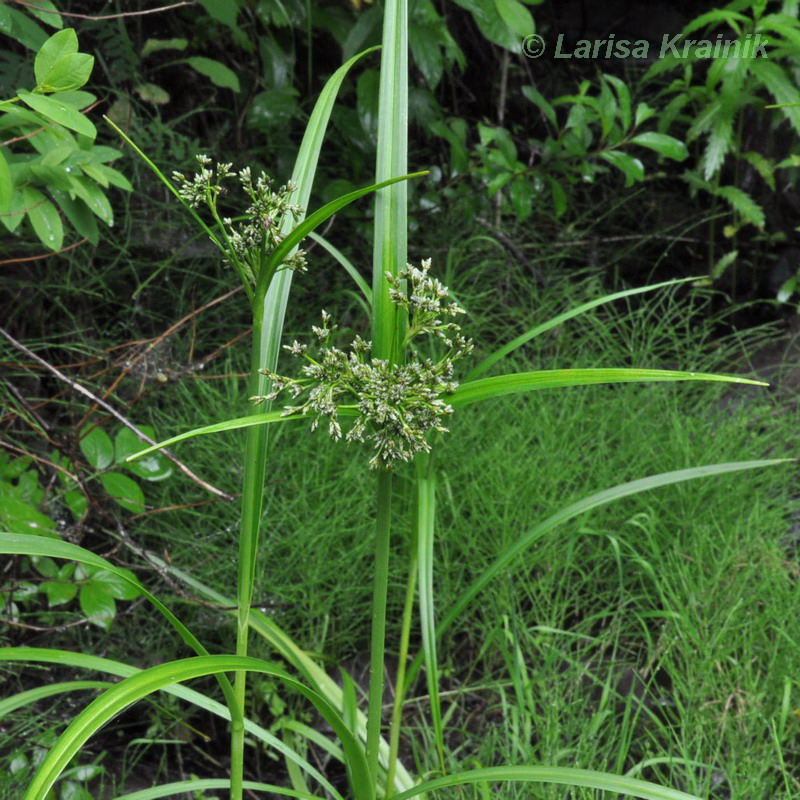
point(117, 668)
point(537, 330)
point(561, 775)
point(426, 519)
point(575, 509)
point(134, 688)
point(487, 388)
point(347, 264)
point(199, 785)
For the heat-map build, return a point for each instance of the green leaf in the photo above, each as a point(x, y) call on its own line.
point(487, 388)
point(624, 98)
point(6, 185)
point(152, 93)
point(59, 45)
point(94, 198)
point(68, 73)
point(59, 592)
point(425, 48)
point(125, 491)
point(723, 263)
point(299, 233)
point(568, 776)
point(151, 468)
point(79, 215)
point(97, 448)
point(156, 45)
point(46, 11)
point(44, 218)
point(224, 11)
point(121, 587)
point(21, 27)
point(516, 16)
point(663, 144)
point(97, 604)
point(144, 683)
point(631, 167)
point(58, 112)
point(105, 175)
point(76, 502)
point(743, 204)
point(219, 74)
point(46, 567)
point(541, 103)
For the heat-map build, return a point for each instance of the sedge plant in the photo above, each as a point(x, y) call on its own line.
point(393, 393)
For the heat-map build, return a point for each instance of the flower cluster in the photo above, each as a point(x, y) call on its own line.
point(395, 405)
point(246, 243)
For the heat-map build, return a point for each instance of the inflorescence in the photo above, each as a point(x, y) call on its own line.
point(246, 243)
point(396, 405)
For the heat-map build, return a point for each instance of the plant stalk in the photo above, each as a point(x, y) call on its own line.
point(255, 466)
point(383, 524)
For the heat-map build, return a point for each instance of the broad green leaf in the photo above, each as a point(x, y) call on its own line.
point(219, 74)
point(94, 198)
point(105, 175)
point(68, 73)
point(631, 167)
point(46, 567)
point(59, 112)
point(119, 586)
point(61, 44)
point(153, 467)
point(565, 776)
point(6, 185)
point(12, 218)
point(79, 215)
point(125, 491)
point(21, 27)
point(663, 144)
point(76, 502)
point(46, 11)
point(516, 16)
point(98, 605)
point(77, 99)
point(59, 592)
point(224, 11)
point(144, 683)
point(97, 448)
point(426, 50)
point(44, 218)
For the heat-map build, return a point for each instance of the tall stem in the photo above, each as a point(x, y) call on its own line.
point(255, 466)
point(383, 526)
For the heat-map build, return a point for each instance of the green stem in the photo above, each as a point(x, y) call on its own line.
point(383, 526)
point(255, 465)
point(400, 682)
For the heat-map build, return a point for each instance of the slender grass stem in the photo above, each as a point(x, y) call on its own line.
point(400, 682)
point(252, 502)
point(383, 526)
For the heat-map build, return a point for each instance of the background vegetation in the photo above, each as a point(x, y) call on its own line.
point(665, 624)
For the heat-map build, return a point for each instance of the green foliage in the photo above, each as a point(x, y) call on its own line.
point(592, 133)
point(49, 162)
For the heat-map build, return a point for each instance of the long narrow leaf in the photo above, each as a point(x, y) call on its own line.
point(30, 696)
point(537, 330)
point(426, 520)
point(575, 509)
point(199, 785)
point(566, 776)
point(120, 670)
point(487, 388)
point(282, 251)
point(346, 264)
point(134, 688)
point(288, 649)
